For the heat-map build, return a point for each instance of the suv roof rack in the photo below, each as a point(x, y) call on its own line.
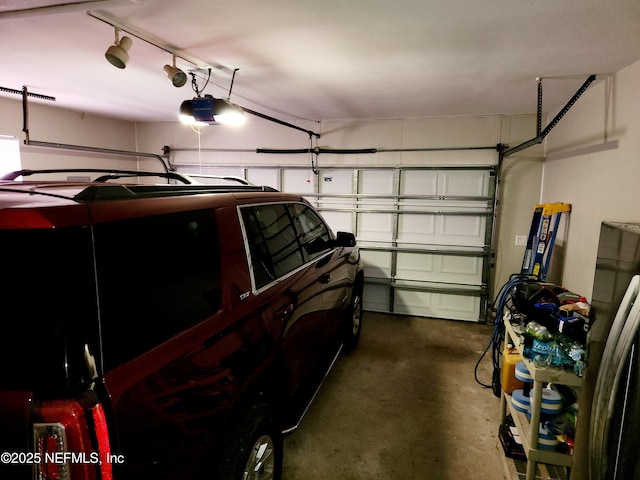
point(231, 178)
point(115, 174)
point(99, 191)
point(108, 174)
point(121, 192)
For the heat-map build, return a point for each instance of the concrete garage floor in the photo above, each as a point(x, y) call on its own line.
point(404, 405)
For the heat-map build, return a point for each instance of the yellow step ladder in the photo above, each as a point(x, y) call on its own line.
point(542, 236)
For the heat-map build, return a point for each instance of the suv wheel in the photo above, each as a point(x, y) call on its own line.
point(254, 448)
point(354, 324)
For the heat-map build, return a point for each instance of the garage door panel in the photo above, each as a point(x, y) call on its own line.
point(459, 307)
point(375, 227)
point(335, 181)
point(439, 268)
point(461, 230)
point(376, 298)
point(264, 176)
point(420, 182)
point(380, 182)
point(377, 264)
point(468, 183)
point(208, 170)
point(437, 305)
point(297, 181)
point(429, 229)
point(417, 266)
point(416, 228)
point(467, 269)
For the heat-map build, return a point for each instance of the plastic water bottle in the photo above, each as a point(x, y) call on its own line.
point(542, 346)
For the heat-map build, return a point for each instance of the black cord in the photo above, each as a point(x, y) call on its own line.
point(194, 83)
point(504, 300)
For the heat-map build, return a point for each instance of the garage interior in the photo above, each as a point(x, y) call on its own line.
point(430, 129)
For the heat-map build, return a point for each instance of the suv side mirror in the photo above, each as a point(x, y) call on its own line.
point(317, 245)
point(345, 239)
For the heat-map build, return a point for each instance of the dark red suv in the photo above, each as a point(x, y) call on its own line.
point(167, 331)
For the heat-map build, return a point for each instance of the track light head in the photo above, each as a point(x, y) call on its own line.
point(118, 53)
point(178, 77)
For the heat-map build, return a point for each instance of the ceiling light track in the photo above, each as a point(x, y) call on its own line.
point(175, 52)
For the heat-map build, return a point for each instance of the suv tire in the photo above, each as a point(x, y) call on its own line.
point(254, 448)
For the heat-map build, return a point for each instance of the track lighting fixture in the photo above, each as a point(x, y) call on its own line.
point(177, 76)
point(118, 53)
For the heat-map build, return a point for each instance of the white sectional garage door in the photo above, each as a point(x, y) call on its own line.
point(425, 232)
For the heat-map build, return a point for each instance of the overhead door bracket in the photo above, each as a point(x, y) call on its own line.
point(541, 134)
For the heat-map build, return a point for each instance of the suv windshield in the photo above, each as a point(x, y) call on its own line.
point(48, 320)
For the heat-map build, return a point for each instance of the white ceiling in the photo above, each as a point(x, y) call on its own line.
point(329, 59)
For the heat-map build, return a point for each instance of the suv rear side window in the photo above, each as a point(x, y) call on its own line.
point(49, 319)
point(273, 242)
point(157, 276)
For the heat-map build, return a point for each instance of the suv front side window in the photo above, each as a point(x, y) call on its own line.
point(274, 245)
point(316, 238)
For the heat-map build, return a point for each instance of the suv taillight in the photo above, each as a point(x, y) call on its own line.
point(70, 441)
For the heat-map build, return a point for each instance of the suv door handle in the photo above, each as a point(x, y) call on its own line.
point(324, 279)
point(283, 313)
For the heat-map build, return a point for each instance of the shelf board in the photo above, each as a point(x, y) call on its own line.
point(533, 454)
